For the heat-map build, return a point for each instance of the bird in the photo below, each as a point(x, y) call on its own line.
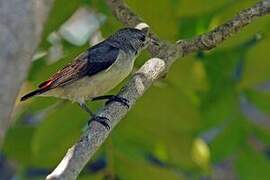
point(96, 71)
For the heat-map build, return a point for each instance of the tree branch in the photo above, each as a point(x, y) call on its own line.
point(164, 55)
point(211, 39)
point(21, 25)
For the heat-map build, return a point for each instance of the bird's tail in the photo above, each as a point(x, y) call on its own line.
point(33, 93)
point(42, 88)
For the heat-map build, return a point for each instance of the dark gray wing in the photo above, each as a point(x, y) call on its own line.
point(101, 57)
point(96, 59)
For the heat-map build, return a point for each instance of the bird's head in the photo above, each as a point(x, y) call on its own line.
point(130, 39)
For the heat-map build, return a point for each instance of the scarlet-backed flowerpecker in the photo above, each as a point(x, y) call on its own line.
point(95, 72)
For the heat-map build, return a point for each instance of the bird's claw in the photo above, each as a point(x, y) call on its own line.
point(102, 120)
point(119, 99)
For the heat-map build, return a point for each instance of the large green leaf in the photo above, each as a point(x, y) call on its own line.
point(17, 144)
point(251, 164)
point(257, 65)
point(56, 134)
point(128, 168)
point(231, 136)
point(260, 99)
point(170, 122)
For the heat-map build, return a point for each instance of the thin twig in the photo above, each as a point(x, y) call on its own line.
point(211, 39)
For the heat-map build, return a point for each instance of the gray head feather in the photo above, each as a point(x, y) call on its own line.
point(129, 39)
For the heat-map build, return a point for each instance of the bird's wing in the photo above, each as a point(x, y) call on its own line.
point(68, 74)
point(96, 59)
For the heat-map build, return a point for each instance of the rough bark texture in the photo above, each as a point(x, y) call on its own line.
point(21, 24)
point(163, 55)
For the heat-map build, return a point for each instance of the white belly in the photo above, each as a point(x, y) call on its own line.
point(98, 84)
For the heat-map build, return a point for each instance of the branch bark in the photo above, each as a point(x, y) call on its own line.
point(21, 25)
point(163, 55)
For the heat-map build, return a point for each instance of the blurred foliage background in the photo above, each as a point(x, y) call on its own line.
point(208, 119)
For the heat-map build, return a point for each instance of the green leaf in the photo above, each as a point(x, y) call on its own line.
point(251, 164)
point(128, 168)
point(168, 110)
point(261, 132)
point(224, 70)
point(95, 176)
point(56, 134)
point(257, 65)
point(17, 144)
point(199, 22)
point(228, 141)
point(260, 99)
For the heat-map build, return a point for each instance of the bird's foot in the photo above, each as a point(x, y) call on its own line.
point(102, 120)
point(112, 98)
point(119, 99)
